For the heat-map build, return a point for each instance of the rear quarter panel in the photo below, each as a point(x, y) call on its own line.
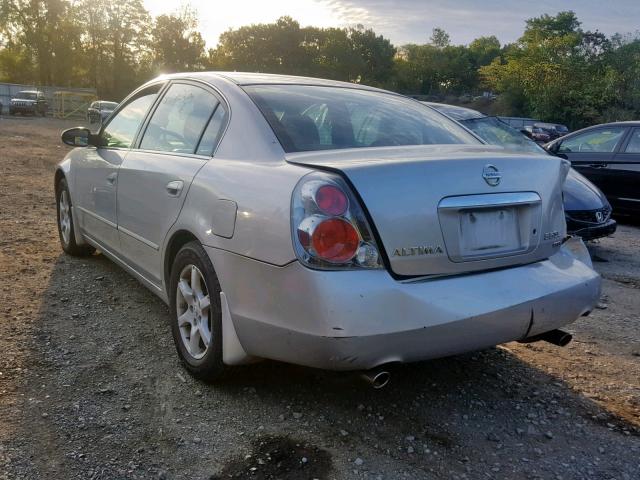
point(260, 195)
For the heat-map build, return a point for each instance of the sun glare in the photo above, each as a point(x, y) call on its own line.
point(217, 17)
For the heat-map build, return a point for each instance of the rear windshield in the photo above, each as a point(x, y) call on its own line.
point(306, 118)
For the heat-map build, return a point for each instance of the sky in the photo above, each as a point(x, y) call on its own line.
point(409, 21)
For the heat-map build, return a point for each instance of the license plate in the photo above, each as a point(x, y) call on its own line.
point(489, 231)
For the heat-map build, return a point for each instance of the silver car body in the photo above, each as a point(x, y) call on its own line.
point(431, 299)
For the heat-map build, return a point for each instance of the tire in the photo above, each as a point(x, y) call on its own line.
point(190, 320)
point(66, 228)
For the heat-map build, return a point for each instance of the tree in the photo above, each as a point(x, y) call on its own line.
point(484, 50)
point(353, 54)
point(128, 24)
point(40, 31)
point(376, 54)
point(554, 72)
point(440, 38)
point(176, 44)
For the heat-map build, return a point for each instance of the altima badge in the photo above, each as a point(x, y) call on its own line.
point(411, 251)
point(491, 175)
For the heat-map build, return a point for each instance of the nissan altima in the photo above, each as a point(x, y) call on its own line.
point(321, 223)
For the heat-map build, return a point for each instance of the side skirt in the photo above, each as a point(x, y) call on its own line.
point(157, 289)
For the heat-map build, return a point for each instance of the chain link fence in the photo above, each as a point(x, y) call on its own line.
point(62, 102)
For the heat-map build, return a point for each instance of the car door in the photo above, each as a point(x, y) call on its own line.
point(592, 151)
point(625, 173)
point(154, 179)
point(96, 170)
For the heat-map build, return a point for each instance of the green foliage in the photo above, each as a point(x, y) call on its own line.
point(176, 44)
point(559, 72)
point(555, 71)
point(354, 54)
point(440, 38)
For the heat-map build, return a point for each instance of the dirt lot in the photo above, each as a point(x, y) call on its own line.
point(91, 388)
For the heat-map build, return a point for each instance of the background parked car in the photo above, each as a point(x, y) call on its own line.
point(537, 134)
point(587, 211)
point(29, 101)
point(518, 122)
point(609, 156)
point(555, 130)
point(100, 110)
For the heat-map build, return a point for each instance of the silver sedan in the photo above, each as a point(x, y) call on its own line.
point(321, 223)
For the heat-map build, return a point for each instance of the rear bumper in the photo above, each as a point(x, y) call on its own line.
point(590, 231)
point(360, 319)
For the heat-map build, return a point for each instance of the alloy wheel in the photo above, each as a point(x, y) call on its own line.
point(192, 305)
point(65, 217)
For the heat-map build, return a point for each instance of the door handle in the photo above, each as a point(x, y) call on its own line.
point(174, 188)
point(598, 165)
point(111, 179)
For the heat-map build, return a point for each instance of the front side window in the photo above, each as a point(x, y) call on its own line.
point(180, 119)
point(307, 118)
point(602, 140)
point(122, 128)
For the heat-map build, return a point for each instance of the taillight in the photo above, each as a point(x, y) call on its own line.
point(330, 230)
point(331, 200)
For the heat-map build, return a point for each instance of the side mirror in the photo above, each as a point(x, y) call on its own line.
point(78, 137)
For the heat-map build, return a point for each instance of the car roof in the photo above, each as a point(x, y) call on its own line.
point(250, 78)
point(455, 112)
point(628, 123)
point(28, 91)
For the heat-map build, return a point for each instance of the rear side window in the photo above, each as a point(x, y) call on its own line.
point(603, 140)
point(213, 132)
point(180, 119)
point(634, 142)
point(307, 118)
point(122, 128)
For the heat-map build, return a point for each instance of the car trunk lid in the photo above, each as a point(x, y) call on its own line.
point(442, 210)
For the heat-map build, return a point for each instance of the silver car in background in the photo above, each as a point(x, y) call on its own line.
point(321, 223)
point(100, 110)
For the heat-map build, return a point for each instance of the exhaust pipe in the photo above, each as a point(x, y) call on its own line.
point(556, 337)
point(377, 378)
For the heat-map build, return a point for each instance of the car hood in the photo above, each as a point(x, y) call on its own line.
point(580, 194)
point(25, 100)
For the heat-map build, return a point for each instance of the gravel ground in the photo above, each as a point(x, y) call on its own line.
point(91, 388)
